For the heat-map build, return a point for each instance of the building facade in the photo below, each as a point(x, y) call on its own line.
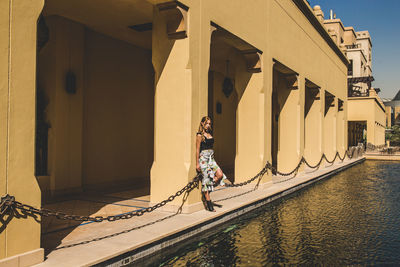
point(366, 111)
point(110, 94)
point(392, 107)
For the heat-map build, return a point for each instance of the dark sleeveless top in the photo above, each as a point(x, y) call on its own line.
point(208, 143)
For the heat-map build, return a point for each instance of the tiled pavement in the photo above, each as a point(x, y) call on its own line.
point(56, 230)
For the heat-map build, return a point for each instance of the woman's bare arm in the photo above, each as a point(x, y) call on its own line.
point(198, 141)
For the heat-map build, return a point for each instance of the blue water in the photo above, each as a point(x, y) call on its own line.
point(352, 218)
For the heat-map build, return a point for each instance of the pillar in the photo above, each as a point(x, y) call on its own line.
point(268, 70)
point(323, 123)
point(340, 127)
point(371, 131)
point(289, 129)
point(250, 127)
point(19, 237)
point(301, 119)
point(176, 107)
point(330, 125)
point(313, 124)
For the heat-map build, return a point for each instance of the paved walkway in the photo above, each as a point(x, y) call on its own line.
point(380, 156)
point(86, 244)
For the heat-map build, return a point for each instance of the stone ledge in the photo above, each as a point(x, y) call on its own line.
point(382, 157)
point(24, 259)
point(186, 209)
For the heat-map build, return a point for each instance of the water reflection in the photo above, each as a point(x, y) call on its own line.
point(352, 218)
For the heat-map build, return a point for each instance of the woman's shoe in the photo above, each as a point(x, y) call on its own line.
point(210, 206)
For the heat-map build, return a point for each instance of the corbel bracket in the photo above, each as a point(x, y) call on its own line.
point(253, 60)
point(292, 81)
point(176, 19)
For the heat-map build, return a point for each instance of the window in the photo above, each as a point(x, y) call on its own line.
point(350, 68)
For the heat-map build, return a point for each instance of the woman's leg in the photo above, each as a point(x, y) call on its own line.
point(210, 205)
point(219, 175)
point(207, 195)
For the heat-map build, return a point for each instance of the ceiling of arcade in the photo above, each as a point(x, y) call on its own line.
point(111, 18)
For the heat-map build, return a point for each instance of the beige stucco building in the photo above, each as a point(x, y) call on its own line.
point(392, 108)
point(366, 111)
point(108, 94)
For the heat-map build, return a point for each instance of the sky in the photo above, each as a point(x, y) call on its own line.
point(382, 19)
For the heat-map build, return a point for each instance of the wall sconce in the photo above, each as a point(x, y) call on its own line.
point(219, 107)
point(227, 85)
point(70, 82)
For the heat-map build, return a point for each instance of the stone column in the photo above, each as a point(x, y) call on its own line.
point(4, 105)
point(371, 131)
point(330, 126)
point(301, 119)
point(250, 126)
point(289, 125)
point(322, 118)
point(20, 236)
point(341, 135)
point(268, 67)
point(313, 128)
point(175, 56)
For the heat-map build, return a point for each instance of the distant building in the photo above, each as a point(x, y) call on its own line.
point(366, 111)
point(392, 108)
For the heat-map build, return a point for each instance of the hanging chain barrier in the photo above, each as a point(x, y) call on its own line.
point(8, 204)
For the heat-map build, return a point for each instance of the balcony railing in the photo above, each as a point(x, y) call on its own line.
point(358, 93)
point(353, 46)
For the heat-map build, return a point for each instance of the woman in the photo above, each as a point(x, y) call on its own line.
point(212, 173)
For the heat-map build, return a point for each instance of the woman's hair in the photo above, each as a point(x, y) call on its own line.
point(202, 130)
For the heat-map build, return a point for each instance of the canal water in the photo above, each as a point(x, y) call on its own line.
point(352, 218)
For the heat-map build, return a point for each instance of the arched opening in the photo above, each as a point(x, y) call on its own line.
point(95, 108)
point(356, 133)
point(285, 118)
point(232, 81)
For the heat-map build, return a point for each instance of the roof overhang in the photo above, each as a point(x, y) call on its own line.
point(308, 12)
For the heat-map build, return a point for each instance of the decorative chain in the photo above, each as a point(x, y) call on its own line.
point(8, 203)
point(258, 175)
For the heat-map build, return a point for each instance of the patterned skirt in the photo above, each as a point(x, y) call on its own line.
point(208, 168)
